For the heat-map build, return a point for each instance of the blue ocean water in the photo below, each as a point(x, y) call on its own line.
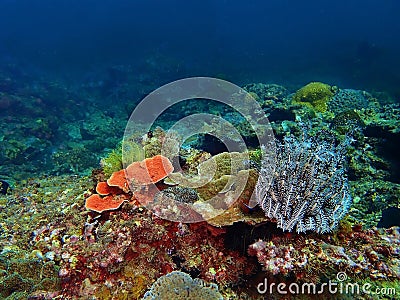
point(348, 43)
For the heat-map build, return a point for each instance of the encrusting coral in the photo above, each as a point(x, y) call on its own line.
point(224, 185)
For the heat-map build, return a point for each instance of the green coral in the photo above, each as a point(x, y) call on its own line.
point(344, 121)
point(314, 95)
point(225, 163)
point(114, 160)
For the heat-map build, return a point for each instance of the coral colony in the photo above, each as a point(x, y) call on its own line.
point(180, 286)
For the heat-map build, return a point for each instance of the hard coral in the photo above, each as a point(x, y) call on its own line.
point(160, 142)
point(223, 185)
point(116, 189)
point(349, 99)
point(178, 285)
point(314, 95)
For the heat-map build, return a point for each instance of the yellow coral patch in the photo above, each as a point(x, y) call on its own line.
point(315, 95)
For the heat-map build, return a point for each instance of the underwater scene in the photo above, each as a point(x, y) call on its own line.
point(199, 150)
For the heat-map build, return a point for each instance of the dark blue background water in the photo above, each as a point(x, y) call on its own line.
point(350, 43)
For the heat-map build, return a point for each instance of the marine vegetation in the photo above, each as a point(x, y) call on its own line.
point(112, 162)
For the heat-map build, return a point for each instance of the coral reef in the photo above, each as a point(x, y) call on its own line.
point(385, 119)
point(177, 193)
point(111, 194)
point(119, 254)
point(224, 184)
point(266, 93)
point(79, 237)
point(178, 285)
point(373, 167)
point(159, 142)
point(26, 274)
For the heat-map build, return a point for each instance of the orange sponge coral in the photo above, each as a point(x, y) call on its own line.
point(99, 204)
point(116, 190)
point(150, 170)
point(104, 189)
point(118, 179)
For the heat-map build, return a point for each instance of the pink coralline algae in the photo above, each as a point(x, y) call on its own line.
point(276, 259)
point(134, 246)
point(365, 254)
